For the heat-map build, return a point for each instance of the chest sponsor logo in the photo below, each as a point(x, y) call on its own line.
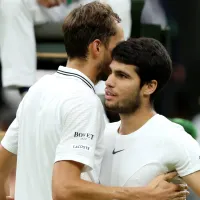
point(80, 146)
point(114, 152)
point(83, 136)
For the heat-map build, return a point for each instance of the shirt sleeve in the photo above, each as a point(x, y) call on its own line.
point(187, 151)
point(82, 127)
point(10, 140)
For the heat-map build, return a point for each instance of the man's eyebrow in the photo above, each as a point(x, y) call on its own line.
point(118, 71)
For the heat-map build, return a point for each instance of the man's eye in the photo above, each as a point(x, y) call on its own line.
point(122, 75)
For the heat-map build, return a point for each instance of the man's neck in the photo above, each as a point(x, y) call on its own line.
point(85, 67)
point(132, 122)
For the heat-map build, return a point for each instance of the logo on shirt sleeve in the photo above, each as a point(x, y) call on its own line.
point(83, 136)
point(80, 146)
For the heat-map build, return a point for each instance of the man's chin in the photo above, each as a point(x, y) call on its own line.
point(119, 110)
point(111, 108)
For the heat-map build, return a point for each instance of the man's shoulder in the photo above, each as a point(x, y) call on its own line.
point(164, 129)
point(173, 132)
point(166, 125)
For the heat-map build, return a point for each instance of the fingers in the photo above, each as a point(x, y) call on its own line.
point(180, 198)
point(169, 176)
point(181, 187)
point(181, 195)
point(159, 180)
point(178, 187)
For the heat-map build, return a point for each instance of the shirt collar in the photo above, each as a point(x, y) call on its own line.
point(67, 71)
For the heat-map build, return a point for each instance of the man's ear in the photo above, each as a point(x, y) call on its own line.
point(96, 47)
point(149, 88)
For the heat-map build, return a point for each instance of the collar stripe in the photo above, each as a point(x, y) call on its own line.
point(77, 76)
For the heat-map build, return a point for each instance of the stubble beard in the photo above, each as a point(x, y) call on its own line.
point(128, 106)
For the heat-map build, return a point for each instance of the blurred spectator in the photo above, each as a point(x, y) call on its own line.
point(153, 13)
point(17, 39)
point(18, 46)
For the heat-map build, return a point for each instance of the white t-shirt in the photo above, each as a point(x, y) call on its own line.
point(60, 118)
point(158, 147)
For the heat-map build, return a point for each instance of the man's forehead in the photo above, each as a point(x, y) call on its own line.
point(120, 30)
point(117, 66)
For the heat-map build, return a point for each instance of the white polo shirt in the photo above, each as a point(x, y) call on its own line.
point(60, 118)
point(158, 147)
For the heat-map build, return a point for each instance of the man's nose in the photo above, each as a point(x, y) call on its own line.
point(110, 82)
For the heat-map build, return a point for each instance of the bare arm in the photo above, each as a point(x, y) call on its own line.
point(193, 180)
point(68, 185)
point(7, 163)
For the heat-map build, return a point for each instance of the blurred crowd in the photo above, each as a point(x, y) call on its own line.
point(18, 54)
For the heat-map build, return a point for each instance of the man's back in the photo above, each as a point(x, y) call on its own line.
point(43, 119)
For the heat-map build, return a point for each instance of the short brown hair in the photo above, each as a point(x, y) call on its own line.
point(85, 24)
